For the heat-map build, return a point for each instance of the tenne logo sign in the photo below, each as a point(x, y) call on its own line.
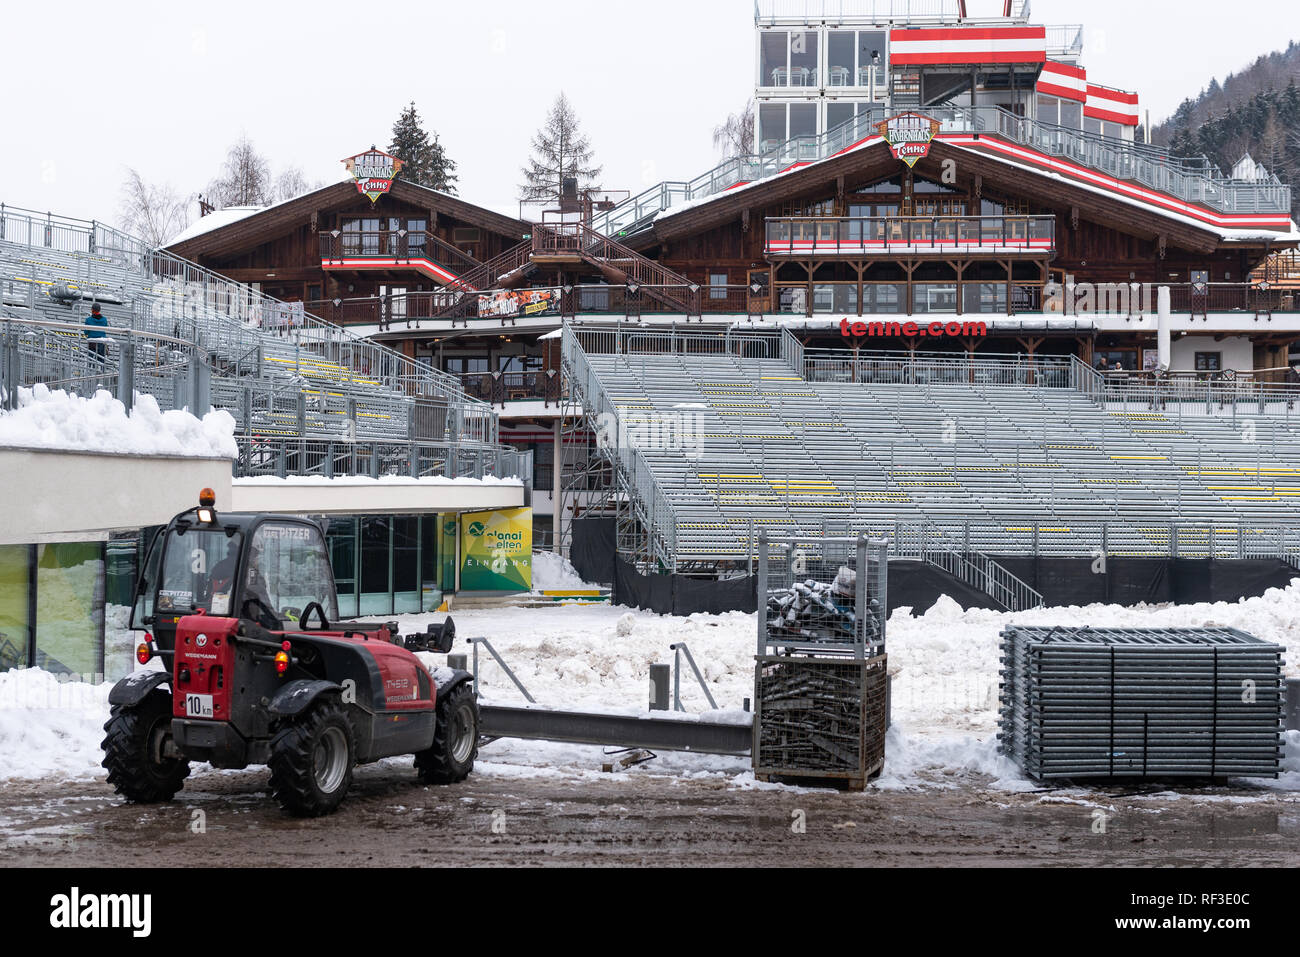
point(909, 136)
point(374, 170)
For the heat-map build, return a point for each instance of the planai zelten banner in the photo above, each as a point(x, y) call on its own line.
point(496, 550)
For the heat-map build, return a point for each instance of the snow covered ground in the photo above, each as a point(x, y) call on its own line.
point(944, 663)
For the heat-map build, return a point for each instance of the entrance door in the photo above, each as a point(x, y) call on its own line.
point(759, 290)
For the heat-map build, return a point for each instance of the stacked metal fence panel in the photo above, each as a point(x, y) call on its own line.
point(1141, 703)
point(820, 718)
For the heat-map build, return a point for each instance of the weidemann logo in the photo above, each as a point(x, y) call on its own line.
point(73, 910)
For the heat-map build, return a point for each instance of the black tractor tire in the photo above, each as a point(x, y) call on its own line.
point(455, 739)
point(133, 751)
point(312, 757)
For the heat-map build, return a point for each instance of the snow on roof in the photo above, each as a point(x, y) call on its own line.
point(1228, 234)
point(214, 220)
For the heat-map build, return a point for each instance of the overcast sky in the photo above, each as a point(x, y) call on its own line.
point(165, 87)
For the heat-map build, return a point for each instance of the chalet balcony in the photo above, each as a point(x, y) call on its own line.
point(422, 252)
point(499, 388)
point(906, 237)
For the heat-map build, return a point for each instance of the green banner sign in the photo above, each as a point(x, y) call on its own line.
point(496, 550)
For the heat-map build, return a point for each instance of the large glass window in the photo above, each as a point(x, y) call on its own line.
point(773, 48)
point(343, 557)
point(838, 113)
point(406, 566)
point(803, 119)
point(1048, 109)
point(882, 298)
point(934, 297)
point(1071, 114)
point(376, 593)
point(289, 570)
point(803, 59)
point(840, 50)
point(984, 297)
point(70, 608)
point(415, 238)
point(872, 51)
point(431, 594)
point(198, 571)
point(15, 569)
point(771, 125)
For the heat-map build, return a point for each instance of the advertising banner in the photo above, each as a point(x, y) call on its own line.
point(496, 550)
point(516, 303)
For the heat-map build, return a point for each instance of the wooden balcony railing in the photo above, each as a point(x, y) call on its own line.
point(398, 246)
point(823, 236)
point(499, 388)
point(970, 297)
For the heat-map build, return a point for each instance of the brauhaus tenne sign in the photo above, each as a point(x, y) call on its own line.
point(374, 170)
point(909, 136)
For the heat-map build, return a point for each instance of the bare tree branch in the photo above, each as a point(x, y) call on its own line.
point(153, 212)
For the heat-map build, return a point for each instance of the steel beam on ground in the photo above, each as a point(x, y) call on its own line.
point(616, 730)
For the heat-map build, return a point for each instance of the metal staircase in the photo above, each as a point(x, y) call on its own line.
point(505, 271)
point(617, 263)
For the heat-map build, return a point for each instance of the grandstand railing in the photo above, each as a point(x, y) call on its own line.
point(795, 12)
point(301, 378)
point(657, 514)
point(201, 294)
point(1193, 181)
point(281, 457)
point(829, 365)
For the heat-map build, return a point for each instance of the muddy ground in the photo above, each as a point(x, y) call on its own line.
point(507, 816)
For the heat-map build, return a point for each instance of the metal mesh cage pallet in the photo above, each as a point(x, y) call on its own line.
point(1141, 703)
point(820, 718)
point(824, 596)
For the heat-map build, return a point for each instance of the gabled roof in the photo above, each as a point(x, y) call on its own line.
point(1015, 170)
point(238, 233)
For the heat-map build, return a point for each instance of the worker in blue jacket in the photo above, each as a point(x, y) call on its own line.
point(95, 338)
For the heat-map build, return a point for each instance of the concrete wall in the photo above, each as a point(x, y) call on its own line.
point(1238, 352)
point(362, 497)
point(52, 496)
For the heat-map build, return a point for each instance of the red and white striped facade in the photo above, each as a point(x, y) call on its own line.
point(968, 45)
point(1111, 105)
point(1106, 103)
point(1064, 80)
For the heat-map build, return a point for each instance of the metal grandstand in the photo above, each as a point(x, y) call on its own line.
point(308, 397)
point(951, 458)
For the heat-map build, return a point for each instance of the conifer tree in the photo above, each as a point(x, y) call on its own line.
point(427, 163)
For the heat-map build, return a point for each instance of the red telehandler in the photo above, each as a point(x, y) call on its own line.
point(243, 613)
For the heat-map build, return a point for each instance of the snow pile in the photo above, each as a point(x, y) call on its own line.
point(47, 419)
point(552, 572)
point(50, 727)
